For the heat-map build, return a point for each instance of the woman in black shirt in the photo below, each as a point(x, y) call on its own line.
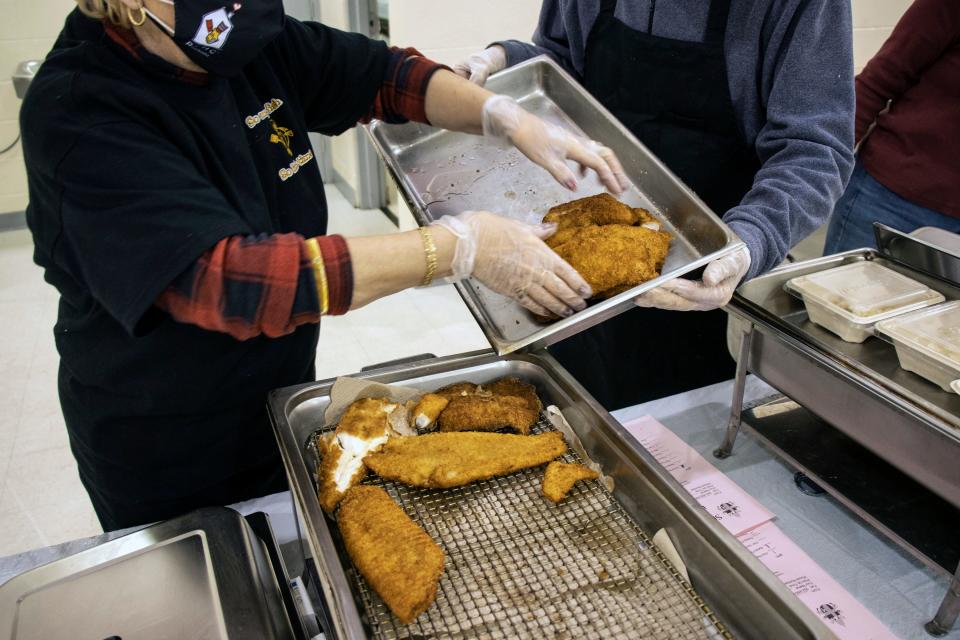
point(176, 205)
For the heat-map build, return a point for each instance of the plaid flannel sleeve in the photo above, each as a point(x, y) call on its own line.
point(263, 285)
point(403, 95)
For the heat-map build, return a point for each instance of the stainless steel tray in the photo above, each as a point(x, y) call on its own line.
point(517, 567)
point(441, 173)
point(914, 249)
point(858, 388)
point(204, 576)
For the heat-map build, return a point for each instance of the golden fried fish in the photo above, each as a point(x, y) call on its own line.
point(560, 477)
point(616, 257)
point(396, 557)
point(506, 403)
point(444, 460)
point(614, 247)
point(364, 427)
point(428, 409)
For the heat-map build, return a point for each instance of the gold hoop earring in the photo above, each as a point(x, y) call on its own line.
point(143, 17)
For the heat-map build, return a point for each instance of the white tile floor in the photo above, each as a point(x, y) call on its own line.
point(41, 499)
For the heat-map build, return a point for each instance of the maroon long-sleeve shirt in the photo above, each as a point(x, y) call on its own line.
point(915, 149)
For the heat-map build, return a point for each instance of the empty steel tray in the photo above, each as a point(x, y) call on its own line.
point(203, 576)
point(520, 567)
point(440, 172)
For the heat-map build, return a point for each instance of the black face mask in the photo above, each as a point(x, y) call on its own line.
point(224, 37)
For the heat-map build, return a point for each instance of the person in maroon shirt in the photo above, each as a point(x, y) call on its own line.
point(908, 173)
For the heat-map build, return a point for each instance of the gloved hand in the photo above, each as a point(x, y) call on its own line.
point(481, 65)
point(510, 258)
point(720, 279)
point(550, 146)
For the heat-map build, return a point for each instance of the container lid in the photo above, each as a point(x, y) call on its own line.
point(934, 331)
point(864, 292)
point(940, 238)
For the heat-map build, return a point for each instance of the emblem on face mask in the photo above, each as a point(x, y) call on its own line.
point(215, 28)
point(282, 136)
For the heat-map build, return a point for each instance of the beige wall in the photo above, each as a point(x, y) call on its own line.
point(27, 31)
point(873, 20)
point(451, 30)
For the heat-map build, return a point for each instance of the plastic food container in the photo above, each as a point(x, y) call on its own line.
point(928, 343)
point(851, 299)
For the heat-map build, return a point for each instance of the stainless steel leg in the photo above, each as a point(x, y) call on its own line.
point(736, 406)
point(949, 610)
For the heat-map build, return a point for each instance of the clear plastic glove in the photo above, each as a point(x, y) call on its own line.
point(511, 258)
point(720, 279)
point(550, 146)
point(481, 65)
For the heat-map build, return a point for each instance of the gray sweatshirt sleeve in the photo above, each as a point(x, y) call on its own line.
point(550, 38)
point(805, 143)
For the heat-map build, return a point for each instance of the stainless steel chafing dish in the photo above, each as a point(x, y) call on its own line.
point(207, 575)
point(441, 173)
point(517, 567)
point(859, 389)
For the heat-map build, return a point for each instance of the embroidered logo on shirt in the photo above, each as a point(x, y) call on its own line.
point(215, 28)
point(301, 160)
point(283, 136)
point(263, 114)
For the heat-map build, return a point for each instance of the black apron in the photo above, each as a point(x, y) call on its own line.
point(674, 96)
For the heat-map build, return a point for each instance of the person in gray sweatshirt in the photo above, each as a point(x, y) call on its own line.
point(751, 103)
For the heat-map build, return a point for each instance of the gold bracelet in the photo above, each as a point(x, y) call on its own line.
point(319, 273)
point(430, 252)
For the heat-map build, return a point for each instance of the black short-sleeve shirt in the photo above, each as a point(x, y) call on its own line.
point(133, 173)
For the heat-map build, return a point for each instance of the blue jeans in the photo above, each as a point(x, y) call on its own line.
point(867, 201)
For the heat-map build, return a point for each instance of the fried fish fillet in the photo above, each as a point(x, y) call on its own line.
point(600, 209)
point(364, 427)
point(519, 388)
point(444, 460)
point(508, 402)
point(451, 391)
point(613, 246)
point(428, 409)
point(560, 477)
point(614, 257)
point(488, 413)
point(396, 557)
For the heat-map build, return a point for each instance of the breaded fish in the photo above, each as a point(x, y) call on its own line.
point(615, 257)
point(428, 409)
point(599, 209)
point(488, 413)
point(444, 460)
point(560, 477)
point(457, 389)
point(519, 388)
point(364, 427)
point(614, 246)
point(508, 402)
point(396, 557)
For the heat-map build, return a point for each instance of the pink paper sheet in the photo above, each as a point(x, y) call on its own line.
point(733, 507)
point(750, 522)
point(842, 613)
